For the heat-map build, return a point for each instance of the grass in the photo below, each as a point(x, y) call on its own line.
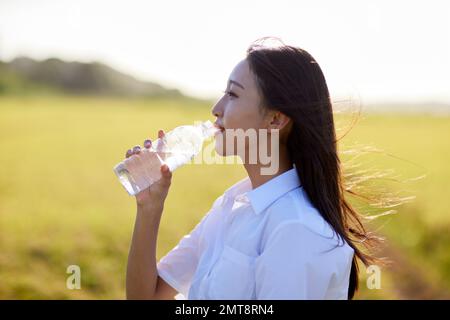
point(61, 204)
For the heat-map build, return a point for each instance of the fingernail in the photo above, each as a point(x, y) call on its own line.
point(128, 153)
point(147, 143)
point(136, 149)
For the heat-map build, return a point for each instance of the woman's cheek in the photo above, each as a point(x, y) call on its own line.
point(229, 120)
point(235, 117)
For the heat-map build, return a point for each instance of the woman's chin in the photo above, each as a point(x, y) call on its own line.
point(220, 150)
point(220, 146)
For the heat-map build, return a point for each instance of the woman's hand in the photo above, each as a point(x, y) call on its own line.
point(156, 194)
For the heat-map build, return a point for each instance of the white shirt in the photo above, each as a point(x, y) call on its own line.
point(265, 243)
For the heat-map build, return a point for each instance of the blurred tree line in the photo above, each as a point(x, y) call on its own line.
point(27, 76)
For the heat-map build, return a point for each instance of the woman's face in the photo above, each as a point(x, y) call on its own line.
point(238, 108)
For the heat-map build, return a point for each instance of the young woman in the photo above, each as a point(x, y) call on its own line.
point(286, 235)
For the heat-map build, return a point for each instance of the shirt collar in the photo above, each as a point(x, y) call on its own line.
point(264, 195)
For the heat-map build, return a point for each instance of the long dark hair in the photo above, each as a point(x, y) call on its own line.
point(291, 81)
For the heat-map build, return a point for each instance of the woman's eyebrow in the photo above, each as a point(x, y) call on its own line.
point(236, 83)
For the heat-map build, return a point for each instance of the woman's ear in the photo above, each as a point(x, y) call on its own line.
point(278, 120)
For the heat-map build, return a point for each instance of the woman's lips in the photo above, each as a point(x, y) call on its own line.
point(220, 131)
point(220, 127)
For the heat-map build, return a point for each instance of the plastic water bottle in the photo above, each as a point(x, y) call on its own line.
point(176, 148)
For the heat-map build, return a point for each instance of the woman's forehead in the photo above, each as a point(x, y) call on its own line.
point(242, 74)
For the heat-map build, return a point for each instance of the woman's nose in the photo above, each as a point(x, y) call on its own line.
point(216, 110)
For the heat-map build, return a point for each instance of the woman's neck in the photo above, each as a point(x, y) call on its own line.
point(254, 170)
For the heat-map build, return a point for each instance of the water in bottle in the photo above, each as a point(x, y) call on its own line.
point(176, 148)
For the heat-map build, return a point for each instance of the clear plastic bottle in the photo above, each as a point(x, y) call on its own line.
point(177, 147)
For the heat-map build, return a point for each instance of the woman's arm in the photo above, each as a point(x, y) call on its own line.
point(143, 281)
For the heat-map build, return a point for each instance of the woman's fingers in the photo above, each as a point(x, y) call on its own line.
point(161, 145)
point(136, 149)
point(166, 171)
point(147, 144)
point(166, 175)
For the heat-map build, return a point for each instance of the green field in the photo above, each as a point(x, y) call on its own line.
point(61, 204)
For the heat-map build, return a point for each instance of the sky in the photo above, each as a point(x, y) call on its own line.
point(370, 50)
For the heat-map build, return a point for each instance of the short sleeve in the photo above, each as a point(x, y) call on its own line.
point(178, 266)
point(293, 265)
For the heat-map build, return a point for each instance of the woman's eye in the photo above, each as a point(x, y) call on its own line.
point(230, 93)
